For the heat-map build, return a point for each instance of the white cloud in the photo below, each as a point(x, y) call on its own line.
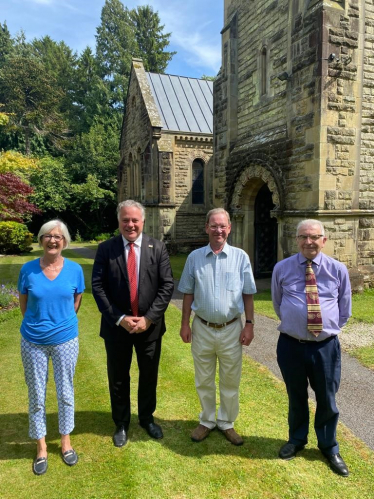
point(54, 3)
point(193, 31)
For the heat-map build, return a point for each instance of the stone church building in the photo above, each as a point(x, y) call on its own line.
point(293, 135)
point(294, 127)
point(166, 154)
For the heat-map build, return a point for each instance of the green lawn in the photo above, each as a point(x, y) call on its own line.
point(175, 467)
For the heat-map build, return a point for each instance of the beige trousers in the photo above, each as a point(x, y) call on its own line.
point(208, 345)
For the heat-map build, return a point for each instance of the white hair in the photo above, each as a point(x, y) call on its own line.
point(129, 203)
point(310, 221)
point(217, 211)
point(48, 226)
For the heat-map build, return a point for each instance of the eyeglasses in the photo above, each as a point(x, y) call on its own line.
point(218, 227)
point(52, 236)
point(312, 238)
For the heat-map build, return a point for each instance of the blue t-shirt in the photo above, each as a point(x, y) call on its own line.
point(50, 318)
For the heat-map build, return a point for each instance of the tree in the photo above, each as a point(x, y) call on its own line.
point(51, 185)
point(115, 46)
point(60, 62)
point(6, 43)
point(18, 164)
point(32, 97)
point(150, 39)
point(124, 34)
point(14, 204)
point(91, 93)
point(96, 152)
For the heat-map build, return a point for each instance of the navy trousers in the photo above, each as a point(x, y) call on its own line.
point(319, 364)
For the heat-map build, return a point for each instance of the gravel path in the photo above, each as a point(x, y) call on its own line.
point(356, 394)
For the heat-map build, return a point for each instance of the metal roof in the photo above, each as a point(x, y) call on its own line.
point(185, 104)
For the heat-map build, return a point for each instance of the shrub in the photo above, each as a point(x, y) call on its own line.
point(102, 237)
point(78, 237)
point(8, 296)
point(14, 238)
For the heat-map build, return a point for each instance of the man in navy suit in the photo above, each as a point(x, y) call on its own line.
point(121, 328)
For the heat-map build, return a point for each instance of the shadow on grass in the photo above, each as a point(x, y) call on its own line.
point(15, 443)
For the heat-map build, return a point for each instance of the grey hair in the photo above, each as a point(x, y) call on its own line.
point(216, 211)
point(129, 203)
point(48, 226)
point(310, 221)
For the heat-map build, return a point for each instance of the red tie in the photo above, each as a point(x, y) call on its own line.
point(133, 278)
point(312, 301)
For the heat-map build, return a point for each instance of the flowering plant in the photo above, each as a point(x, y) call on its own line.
point(8, 296)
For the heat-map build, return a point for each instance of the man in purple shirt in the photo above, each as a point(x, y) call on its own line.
point(304, 357)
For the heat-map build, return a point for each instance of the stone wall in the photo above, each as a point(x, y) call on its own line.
point(303, 75)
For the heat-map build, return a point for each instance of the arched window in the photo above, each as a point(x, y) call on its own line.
point(198, 181)
point(264, 75)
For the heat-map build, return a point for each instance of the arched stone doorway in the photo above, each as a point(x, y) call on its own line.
point(266, 232)
point(255, 230)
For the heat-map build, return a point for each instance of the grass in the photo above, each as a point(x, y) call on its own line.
point(173, 468)
point(362, 309)
point(177, 264)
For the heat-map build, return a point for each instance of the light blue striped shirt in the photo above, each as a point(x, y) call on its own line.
point(217, 282)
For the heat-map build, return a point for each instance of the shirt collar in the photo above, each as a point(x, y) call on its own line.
point(225, 249)
point(316, 260)
point(137, 242)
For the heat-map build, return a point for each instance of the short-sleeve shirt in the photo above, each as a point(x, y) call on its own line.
point(217, 282)
point(50, 318)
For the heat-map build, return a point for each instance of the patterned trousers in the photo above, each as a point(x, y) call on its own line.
point(35, 360)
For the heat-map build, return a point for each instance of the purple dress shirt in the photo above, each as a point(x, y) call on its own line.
point(289, 300)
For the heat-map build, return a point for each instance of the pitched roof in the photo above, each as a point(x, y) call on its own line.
point(185, 104)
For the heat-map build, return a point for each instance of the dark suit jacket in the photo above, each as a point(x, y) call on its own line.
point(110, 287)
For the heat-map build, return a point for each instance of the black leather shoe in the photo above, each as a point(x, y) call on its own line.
point(120, 436)
point(289, 451)
point(337, 464)
point(153, 430)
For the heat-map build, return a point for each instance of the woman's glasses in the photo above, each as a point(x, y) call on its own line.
point(52, 236)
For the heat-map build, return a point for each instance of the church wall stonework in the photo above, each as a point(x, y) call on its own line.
point(156, 169)
point(303, 75)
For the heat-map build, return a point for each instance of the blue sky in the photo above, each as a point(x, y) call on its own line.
point(195, 27)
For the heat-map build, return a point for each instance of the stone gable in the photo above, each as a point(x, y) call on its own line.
point(156, 169)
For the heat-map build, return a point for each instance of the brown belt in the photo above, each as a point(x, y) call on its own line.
point(217, 326)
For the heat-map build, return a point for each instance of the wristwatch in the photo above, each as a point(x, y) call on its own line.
point(250, 321)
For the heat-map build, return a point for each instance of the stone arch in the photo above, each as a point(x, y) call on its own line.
point(197, 154)
point(242, 207)
point(254, 171)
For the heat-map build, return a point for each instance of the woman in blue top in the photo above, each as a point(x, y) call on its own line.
point(50, 293)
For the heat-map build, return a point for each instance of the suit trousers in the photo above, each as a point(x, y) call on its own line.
point(119, 357)
point(208, 346)
point(318, 363)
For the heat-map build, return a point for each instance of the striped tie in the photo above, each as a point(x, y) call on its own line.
point(312, 301)
point(133, 278)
